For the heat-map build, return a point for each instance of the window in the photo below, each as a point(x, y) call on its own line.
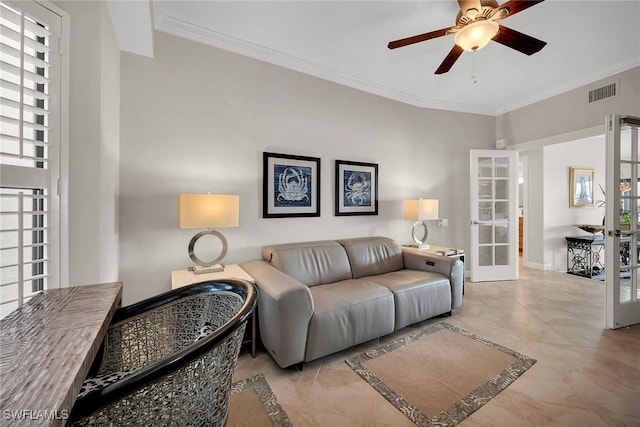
point(29, 151)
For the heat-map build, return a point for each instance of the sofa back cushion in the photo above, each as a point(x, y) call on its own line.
point(370, 256)
point(311, 263)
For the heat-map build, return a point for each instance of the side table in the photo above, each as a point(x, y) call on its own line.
point(186, 277)
point(442, 251)
point(586, 255)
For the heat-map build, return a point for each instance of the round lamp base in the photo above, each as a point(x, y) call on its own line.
point(203, 266)
point(421, 242)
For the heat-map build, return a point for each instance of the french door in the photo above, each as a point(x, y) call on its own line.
point(622, 268)
point(494, 219)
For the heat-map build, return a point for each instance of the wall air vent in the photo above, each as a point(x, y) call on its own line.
point(603, 92)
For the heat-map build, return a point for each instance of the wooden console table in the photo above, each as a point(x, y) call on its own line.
point(46, 349)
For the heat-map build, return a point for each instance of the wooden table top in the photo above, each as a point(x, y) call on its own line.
point(46, 349)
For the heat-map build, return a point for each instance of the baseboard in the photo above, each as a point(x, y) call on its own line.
point(536, 265)
point(529, 264)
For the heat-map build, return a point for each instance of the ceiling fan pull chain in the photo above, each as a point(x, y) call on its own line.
point(474, 77)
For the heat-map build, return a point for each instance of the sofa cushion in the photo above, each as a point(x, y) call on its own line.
point(347, 313)
point(370, 256)
point(311, 263)
point(418, 295)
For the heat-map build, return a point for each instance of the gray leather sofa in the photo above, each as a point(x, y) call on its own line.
point(317, 298)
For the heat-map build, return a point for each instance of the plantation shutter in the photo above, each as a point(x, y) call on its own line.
point(29, 151)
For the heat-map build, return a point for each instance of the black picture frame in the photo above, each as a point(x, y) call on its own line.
point(290, 186)
point(356, 190)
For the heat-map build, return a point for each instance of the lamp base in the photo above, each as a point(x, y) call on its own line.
point(203, 267)
point(421, 243)
point(198, 269)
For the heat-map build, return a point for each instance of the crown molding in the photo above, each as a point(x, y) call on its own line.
point(179, 28)
point(219, 40)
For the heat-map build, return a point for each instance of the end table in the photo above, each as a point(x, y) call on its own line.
point(186, 277)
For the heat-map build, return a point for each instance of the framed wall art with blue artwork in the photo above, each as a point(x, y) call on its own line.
point(356, 188)
point(291, 186)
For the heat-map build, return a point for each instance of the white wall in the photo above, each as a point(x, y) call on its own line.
point(559, 219)
point(94, 144)
point(197, 119)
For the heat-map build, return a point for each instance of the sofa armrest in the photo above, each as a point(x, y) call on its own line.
point(285, 307)
point(451, 267)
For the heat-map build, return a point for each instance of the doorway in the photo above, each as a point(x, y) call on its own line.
point(547, 216)
point(522, 201)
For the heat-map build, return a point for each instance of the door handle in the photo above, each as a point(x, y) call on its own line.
point(618, 233)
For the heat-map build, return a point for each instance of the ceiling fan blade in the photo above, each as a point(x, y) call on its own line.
point(419, 38)
point(513, 7)
point(451, 59)
point(469, 4)
point(518, 41)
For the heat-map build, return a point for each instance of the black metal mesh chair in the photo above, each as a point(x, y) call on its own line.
point(168, 360)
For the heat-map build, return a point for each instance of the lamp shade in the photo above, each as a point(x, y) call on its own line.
point(476, 35)
point(208, 210)
point(421, 209)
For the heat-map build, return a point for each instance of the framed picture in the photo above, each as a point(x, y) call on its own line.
point(291, 186)
point(356, 188)
point(581, 187)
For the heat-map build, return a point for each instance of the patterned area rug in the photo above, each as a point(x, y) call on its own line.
point(253, 404)
point(441, 374)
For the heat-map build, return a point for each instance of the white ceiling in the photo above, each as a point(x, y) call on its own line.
point(346, 42)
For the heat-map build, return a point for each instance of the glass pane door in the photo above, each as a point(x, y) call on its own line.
point(493, 215)
point(622, 218)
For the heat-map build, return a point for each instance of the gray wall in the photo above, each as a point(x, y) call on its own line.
point(570, 111)
point(197, 119)
point(545, 122)
point(94, 144)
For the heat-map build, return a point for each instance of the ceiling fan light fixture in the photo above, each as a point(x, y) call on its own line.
point(475, 35)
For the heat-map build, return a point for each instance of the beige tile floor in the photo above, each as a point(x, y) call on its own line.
point(585, 376)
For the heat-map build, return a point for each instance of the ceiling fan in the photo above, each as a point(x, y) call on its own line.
point(476, 26)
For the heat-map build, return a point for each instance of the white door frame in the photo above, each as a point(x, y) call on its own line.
point(622, 310)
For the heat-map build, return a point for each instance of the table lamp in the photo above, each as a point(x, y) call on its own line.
point(420, 211)
point(208, 211)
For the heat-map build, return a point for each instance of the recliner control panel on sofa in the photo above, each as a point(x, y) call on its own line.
point(317, 298)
